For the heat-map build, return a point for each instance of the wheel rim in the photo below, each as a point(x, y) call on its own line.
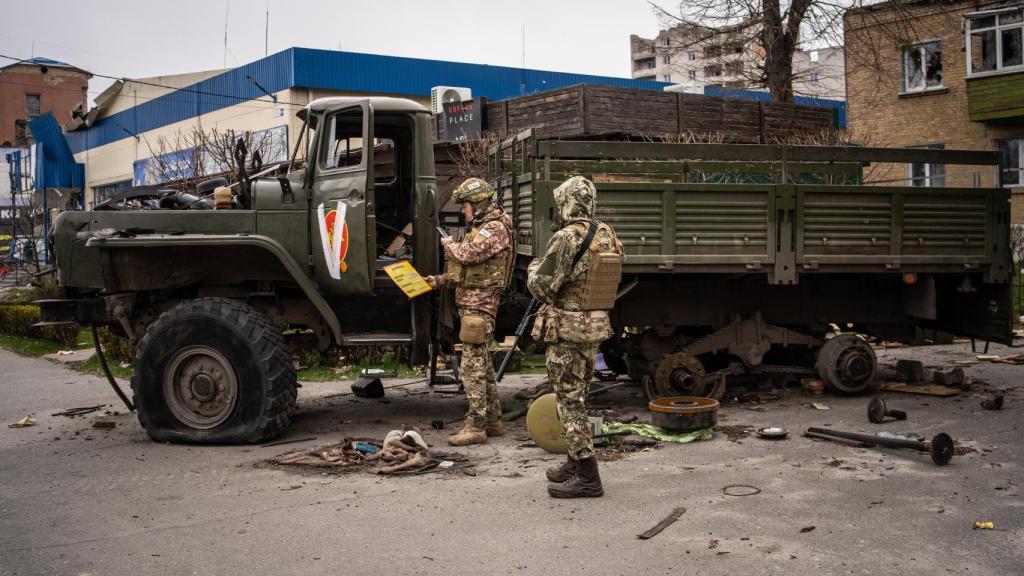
point(679, 375)
point(200, 387)
point(855, 366)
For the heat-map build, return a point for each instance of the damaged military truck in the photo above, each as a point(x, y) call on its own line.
point(738, 259)
point(772, 259)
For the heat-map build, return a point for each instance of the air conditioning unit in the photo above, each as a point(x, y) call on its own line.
point(441, 95)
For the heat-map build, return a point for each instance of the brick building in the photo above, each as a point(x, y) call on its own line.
point(939, 74)
point(34, 87)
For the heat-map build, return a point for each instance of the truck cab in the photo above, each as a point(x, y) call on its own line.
point(301, 248)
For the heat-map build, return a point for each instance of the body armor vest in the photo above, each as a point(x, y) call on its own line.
point(495, 272)
point(597, 288)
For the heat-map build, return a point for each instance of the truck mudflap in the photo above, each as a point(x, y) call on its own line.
point(221, 240)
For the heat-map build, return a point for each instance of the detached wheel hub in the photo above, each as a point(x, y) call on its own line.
point(679, 374)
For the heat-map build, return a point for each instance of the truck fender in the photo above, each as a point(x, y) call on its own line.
point(219, 240)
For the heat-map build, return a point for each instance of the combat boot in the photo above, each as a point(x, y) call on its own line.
point(584, 483)
point(469, 434)
point(494, 428)
point(562, 472)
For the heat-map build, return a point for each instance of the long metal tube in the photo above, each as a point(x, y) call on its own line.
point(868, 439)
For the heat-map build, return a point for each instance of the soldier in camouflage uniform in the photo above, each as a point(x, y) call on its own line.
point(479, 267)
point(572, 334)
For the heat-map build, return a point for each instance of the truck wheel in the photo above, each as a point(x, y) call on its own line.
point(213, 370)
point(847, 363)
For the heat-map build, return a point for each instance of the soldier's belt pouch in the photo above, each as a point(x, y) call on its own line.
point(545, 325)
point(585, 327)
point(455, 272)
point(474, 329)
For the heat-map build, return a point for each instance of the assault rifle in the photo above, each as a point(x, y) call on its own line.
point(531, 311)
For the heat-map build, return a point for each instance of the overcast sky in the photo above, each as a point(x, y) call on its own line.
point(145, 38)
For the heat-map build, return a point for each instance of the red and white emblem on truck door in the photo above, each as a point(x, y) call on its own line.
point(334, 238)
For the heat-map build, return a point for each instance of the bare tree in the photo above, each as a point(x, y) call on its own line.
point(766, 32)
point(189, 157)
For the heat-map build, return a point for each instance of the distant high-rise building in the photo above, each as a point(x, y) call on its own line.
point(693, 56)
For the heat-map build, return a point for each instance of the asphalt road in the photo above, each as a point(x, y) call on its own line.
point(75, 500)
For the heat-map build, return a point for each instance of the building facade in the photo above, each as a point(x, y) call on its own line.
point(939, 74)
point(139, 125)
point(693, 57)
point(34, 87)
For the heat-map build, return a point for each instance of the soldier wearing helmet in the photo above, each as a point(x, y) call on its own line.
point(576, 281)
point(480, 267)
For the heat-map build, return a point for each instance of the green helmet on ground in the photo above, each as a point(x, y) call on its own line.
point(475, 191)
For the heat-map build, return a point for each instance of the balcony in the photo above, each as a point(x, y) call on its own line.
point(996, 98)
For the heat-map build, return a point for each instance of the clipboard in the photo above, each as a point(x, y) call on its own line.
point(407, 278)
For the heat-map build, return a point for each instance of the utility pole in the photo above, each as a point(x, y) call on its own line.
point(227, 6)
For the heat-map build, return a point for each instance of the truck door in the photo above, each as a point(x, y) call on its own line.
point(342, 219)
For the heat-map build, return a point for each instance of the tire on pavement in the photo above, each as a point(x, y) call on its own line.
point(213, 370)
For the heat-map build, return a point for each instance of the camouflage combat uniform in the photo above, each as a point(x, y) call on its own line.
point(571, 352)
point(483, 259)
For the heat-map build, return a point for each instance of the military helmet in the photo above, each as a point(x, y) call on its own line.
point(575, 199)
point(473, 190)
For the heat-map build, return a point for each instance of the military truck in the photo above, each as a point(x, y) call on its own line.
point(722, 275)
point(770, 258)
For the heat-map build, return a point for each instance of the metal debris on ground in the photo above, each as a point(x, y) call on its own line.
point(104, 425)
point(740, 490)
point(368, 388)
point(665, 523)
point(984, 525)
point(940, 447)
point(993, 403)
point(878, 411)
point(995, 358)
point(23, 423)
point(772, 432)
point(806, 529)
point(80, 411)
point(909, 371)
point(818, 406)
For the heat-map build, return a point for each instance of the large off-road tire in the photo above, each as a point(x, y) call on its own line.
point(847, 363)
point(213, 370)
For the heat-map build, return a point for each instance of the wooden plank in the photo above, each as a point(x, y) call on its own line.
point(926, 389)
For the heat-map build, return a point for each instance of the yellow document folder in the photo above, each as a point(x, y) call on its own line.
point(407, 278)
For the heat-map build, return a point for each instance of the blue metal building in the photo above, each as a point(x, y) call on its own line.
point(330, 70)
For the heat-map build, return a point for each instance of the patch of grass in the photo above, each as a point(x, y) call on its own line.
point(92, 366)
point(25, 346)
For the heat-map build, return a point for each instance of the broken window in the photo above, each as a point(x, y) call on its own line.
point(713, 71)
point(712, 51)
point(922, 67)
point(922, 174)
point(995, 41)
point(1012, 152)
point(33, 106)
